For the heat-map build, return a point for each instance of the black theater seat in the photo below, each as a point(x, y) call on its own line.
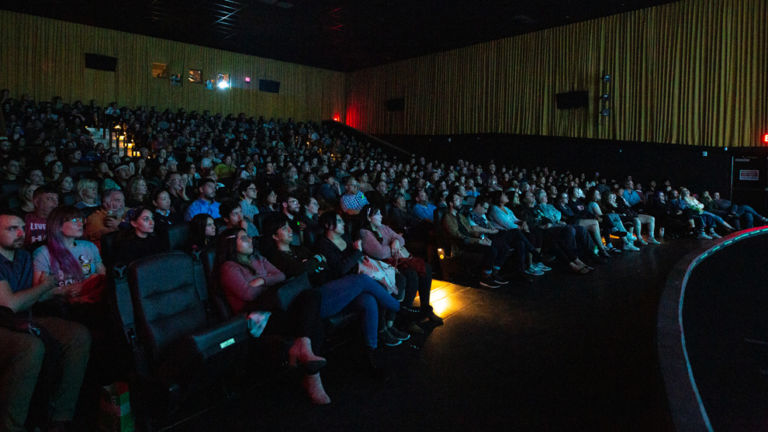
point(177, 351)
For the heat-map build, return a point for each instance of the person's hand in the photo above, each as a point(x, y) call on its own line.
point(258, 282)
point(358, 244)
point(48, 285)
point(68, 291)
point(111, 222)
point(493, 231)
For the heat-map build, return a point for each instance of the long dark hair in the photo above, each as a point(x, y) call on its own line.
point(197, 236)
point(61, 259)
point(495, 197)
point(226, 250)
point(370, 210)
point(328, 221)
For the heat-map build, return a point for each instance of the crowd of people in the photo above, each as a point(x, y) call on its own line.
point(277, 200)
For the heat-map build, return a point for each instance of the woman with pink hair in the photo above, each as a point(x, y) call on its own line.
point(74, 263)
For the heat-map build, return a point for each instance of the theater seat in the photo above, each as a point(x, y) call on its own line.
point(217, 301)
point(107, 245)
point(177, 236)
point(177, 351)
point(455, 265)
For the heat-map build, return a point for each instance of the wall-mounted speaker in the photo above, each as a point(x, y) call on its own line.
point(571, 100)
point(100, 62)
point(269, 86)
point(395, 104)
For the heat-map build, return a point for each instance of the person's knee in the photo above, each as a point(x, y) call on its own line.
point(29, 351)
point(367, 304)
point(81, 338)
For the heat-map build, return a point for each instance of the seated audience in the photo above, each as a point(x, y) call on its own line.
point(75, 265)
point(356, 292)
point(248, 195)
point(380, 242)
point(353, 199)
point(107, 219)
point(45, 200)
point(23, 352)
point(742, 215)
point(206, 201)
point(87, 196)
point(456, 229)
point(26, 198)
point(139, 240)
point(163, 212)
point(246, 278)
point(202, 233)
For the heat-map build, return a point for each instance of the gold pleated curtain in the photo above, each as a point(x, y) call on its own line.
point(46, 58)
point(691, 72)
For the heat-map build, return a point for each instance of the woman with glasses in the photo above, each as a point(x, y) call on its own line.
point(76, 266)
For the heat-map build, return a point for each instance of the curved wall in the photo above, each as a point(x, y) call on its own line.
point(714, 304)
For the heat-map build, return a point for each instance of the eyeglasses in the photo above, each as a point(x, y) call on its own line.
point(76, 220)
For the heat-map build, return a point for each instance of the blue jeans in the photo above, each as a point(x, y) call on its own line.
point(362, 294)
point(747, 214)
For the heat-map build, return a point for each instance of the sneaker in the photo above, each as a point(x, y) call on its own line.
point(398, 334)
point(533, 271)
point(542, 267)
point(499, 280)
point(434, 319)
point(487, 282)
point(642, 241)
point(653, 241)
point(631, 247)
point(714, 234)
point(703, 236)
point(386, 338)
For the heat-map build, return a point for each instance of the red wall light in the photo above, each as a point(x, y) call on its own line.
point(337, 118)
point(765, 139)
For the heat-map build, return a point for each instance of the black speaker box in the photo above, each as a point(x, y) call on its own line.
point(100, 62)
point(570, 100)
point(269, 86)
point(395, 104)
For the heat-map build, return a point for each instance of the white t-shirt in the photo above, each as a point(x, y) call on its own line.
point(86, 253)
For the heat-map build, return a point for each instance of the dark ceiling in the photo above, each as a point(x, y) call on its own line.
point(336, 34)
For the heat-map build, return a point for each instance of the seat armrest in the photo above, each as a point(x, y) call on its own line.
point(211, 341)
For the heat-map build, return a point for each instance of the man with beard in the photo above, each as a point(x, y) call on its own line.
point(23, 349)
point(206, 201)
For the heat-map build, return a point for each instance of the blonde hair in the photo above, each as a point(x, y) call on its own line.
point(85, 183)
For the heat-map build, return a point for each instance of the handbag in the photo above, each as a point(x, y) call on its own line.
point(413, 263)
point(379, 271)
point(407, 261)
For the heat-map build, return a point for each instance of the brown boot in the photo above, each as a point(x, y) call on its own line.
point(314, 388)
point(300, 354)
